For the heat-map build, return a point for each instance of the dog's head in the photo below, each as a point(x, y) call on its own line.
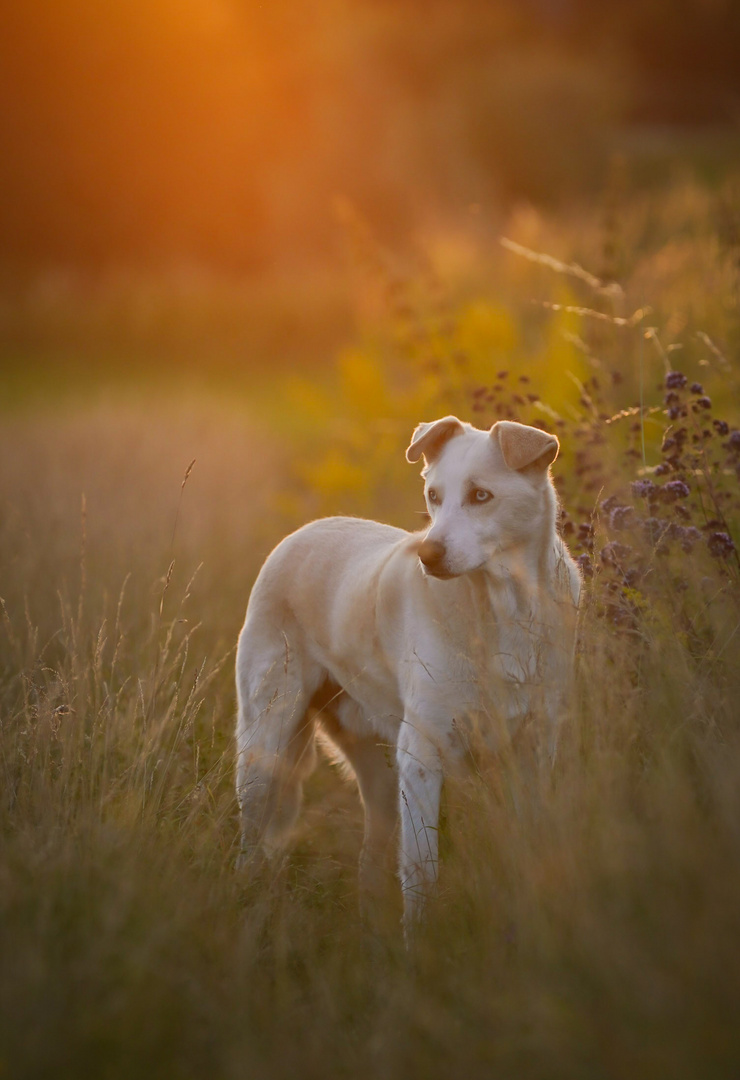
point(487, 492)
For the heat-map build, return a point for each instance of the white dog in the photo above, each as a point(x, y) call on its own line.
point(394, 644)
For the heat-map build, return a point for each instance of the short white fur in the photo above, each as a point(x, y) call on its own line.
point(394, 643)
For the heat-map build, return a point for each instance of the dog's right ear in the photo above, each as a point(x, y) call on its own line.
point(428, 439)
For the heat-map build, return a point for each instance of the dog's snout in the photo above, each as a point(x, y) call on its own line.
point(432, 554)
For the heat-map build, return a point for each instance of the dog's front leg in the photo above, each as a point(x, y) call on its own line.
point(420, 785)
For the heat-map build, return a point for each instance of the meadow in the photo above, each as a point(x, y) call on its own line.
point(588, 922)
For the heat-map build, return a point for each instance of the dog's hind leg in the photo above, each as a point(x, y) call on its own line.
point(373, 763)
point(275, 738)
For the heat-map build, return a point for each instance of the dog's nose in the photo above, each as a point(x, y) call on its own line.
point(432, 553)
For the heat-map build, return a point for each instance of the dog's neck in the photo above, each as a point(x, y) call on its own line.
point(531, 564)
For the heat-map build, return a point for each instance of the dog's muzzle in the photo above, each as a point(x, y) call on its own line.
point(432, 556)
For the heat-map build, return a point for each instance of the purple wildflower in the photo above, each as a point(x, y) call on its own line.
point(704, 402)
point(722, 426)
point(676, 489)
point(609, 504)
point(734, 440)
point(655, 529)
point(644, 489)
point(614, 552)
point(688, 535)
point(674, 380)
point(621, 517)
point(585, 565)
point(720, 545)
point(696, 388)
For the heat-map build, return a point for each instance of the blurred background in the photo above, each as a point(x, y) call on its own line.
point(244, 248)
point(178, 175)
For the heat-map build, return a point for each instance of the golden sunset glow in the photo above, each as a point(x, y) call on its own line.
point(223, 131)
point(250, 252)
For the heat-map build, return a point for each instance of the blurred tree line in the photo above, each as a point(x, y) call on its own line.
point(224, 132)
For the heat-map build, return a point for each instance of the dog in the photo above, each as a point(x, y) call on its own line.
point(395, 644)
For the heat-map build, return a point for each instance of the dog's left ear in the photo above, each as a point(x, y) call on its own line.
point(523, 446)
point(428, 439)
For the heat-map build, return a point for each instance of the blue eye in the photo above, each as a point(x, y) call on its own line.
point(432, 496)
point(480, 495)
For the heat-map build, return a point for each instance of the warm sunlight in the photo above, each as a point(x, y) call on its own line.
point(461, 277)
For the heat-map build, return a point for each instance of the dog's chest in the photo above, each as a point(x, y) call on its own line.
point(510, 638)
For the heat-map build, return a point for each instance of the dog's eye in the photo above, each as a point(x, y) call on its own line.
point(480, 495)
point(433, 496)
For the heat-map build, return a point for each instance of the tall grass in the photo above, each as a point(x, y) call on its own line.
point(588, 922)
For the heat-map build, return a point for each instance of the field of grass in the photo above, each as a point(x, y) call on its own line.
point(588, 923)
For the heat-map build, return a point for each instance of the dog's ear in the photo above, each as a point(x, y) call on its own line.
point(428, 439)
point(523, 446)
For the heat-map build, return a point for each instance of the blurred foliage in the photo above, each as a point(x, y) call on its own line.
point(181, 180)
point(589, 913)
point(516, 332)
